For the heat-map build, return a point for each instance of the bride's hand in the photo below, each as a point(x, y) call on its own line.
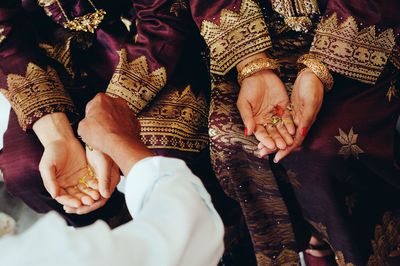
point(262, 99)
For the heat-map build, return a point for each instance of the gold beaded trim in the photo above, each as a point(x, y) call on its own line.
point(319, 69)
point(255, 66)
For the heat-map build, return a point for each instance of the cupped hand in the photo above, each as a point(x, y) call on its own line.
point(107, 177)
point(62, 167)
point(262, 98)
point(307, 98)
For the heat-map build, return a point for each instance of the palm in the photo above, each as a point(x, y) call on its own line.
point(63, 166)
point(259, 98)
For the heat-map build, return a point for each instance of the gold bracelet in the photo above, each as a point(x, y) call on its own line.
point(318, 68)
point(255, 66)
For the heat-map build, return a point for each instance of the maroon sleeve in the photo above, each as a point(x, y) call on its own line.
point(148, 58)
point(33, 88)
point(233, 30)
point(358, 38)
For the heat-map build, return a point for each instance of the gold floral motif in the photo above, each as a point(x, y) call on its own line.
point(296, 13)
point(177, 120)
point(38, 93)
point(358, 54)
point(238, 35)
point(2, 36)
point(134, 83)
point(349, 142)
point(87, 23)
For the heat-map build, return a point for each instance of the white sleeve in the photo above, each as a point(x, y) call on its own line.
point(174, 223)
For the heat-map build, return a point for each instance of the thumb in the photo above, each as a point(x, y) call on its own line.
point(101, 166)
point(48, 173)
point(246, 113)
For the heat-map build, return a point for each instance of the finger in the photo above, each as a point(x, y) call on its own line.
point(85, 199)
point(49, 180)
point(246, 113)
point(277, 138)
point(288, 122)
point(265, 152)
point(93, 184)
point(262, 136)
point(68, 200)
point(87, 209)
point(94, 194)
point(282, 130)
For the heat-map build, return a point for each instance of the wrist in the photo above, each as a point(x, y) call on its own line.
point(53, 127)
point(126, 152)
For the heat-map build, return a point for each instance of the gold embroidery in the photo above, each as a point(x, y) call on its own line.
point(386, 239)
point(61, 54)
point(358, 54)
point(177, 120)
point(285, 258)
point(340, 259)
point(2, 36)
point(238, 35)
point(296, 13)
point(38, 93)
point(133, 82)
point(349, 142)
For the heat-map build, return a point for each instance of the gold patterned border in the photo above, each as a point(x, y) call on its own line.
point(357, 54)
point(133, 82)
point(177, 120)
point(39, 93)
point(237, 36)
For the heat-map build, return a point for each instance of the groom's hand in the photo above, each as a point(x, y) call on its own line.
point(113, 129)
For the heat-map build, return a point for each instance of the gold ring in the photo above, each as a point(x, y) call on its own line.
point(289, 108)
point(275, 120)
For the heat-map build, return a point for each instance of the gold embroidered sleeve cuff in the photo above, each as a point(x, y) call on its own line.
point(360, 54)
point(255, 66)
point(39, 93)
point(133, 82)
point(319, 69)
point(235, 37)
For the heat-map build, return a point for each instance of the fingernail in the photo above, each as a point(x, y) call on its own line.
point(304, 131)
point(245, 132)
point(275, 160)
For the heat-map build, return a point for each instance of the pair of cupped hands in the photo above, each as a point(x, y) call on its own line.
point(65, 160)
point(263, 96)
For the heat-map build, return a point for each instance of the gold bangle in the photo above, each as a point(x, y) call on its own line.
point(255, 66)
point(318, 68)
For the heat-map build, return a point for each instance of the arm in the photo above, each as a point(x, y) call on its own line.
point(32, 87)
point(175, 224)
point(41, 103)
point(175, 221)
point(150, 57)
